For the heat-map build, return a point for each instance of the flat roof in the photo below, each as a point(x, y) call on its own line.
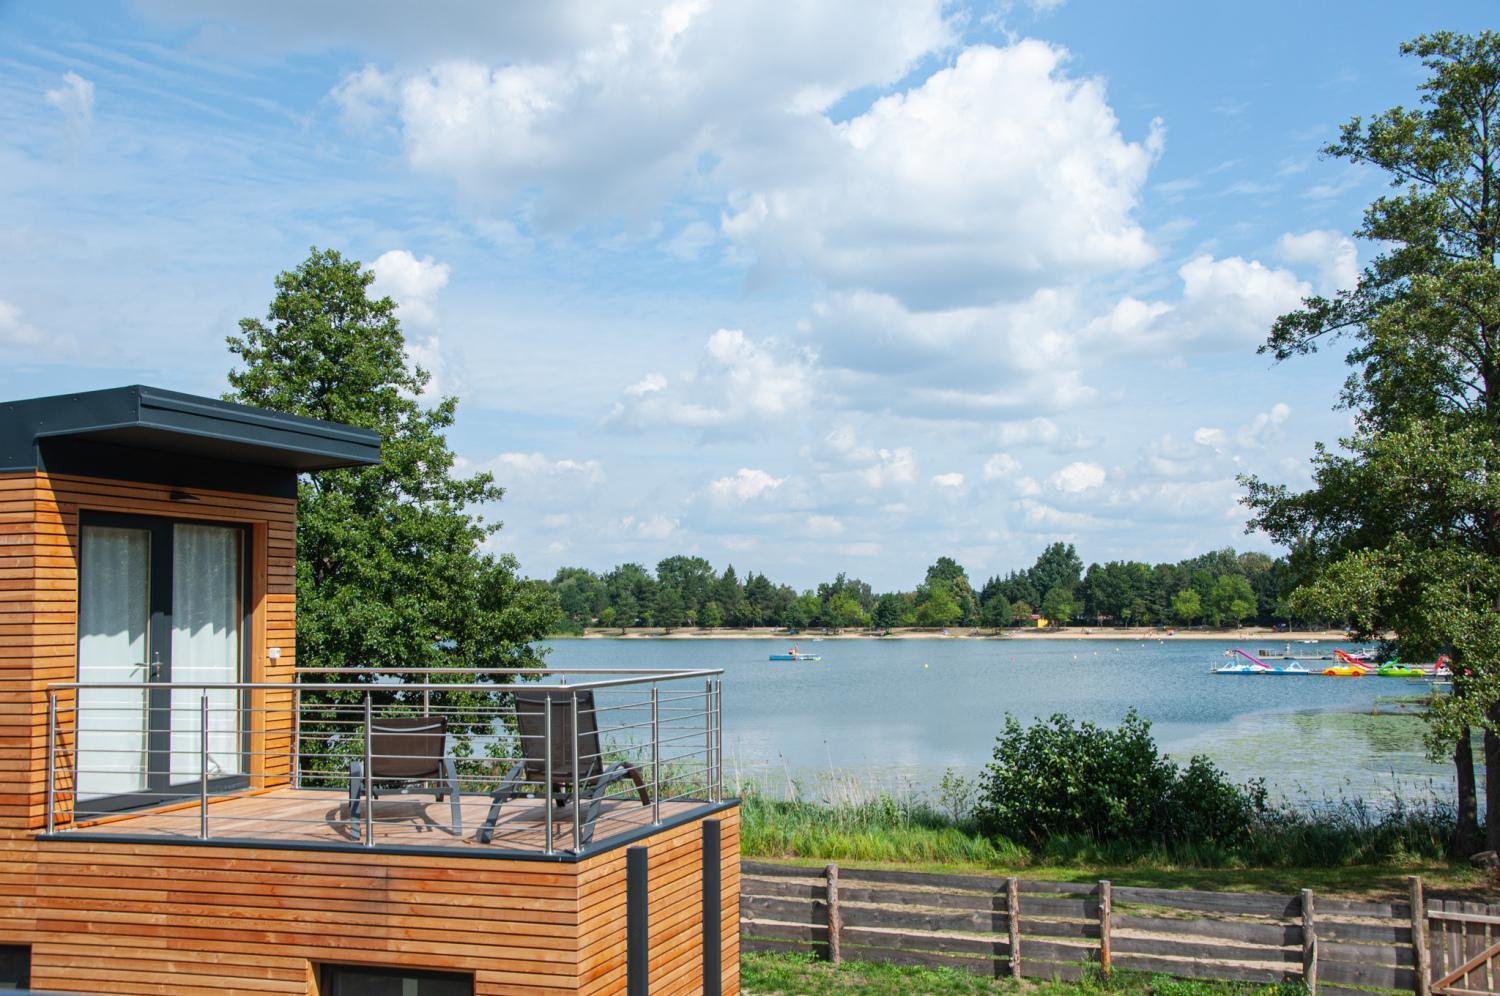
point(149, 418)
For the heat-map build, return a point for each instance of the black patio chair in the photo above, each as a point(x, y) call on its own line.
point(594, 779)
point(406, 750)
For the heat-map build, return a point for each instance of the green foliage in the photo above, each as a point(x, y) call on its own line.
point(1187, 607)
point(1059, 566)
point(937, 606)
point(1058, 607)
point(1059, 777)
point(389, 566)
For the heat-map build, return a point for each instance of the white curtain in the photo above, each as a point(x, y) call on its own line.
point(206, 640)
point(113, 614)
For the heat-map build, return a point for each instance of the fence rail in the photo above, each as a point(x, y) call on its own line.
point(1063, 930)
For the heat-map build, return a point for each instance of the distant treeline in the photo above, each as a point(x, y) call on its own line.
point(1222, 588)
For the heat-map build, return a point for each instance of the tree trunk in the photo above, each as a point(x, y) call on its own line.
point(1466, 833)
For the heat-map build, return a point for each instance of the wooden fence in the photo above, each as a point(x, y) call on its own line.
point(1060, 930)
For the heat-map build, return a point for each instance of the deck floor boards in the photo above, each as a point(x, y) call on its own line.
point(321, 817)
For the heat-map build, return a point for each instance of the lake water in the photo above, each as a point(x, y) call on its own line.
point(894, 714)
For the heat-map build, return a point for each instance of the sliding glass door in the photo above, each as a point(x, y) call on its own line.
point(159, 601)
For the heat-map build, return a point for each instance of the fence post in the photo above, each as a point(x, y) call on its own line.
point(1419, 935)
point(1105, 905)
point(1309, 944)
point(655, 755)
point(835, 916)
point(547, 843)
point(369, 786)
point(52, 755)
point(203, 766)
point(1013, 925)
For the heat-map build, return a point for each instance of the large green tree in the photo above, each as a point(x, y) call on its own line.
point(391, 569)
point(1401, 529)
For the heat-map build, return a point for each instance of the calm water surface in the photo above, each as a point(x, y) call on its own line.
point(896, 713)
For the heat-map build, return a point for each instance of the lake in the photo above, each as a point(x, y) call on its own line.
point(894, 714)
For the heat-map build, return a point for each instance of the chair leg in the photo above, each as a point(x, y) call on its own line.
point(498, 798)
point(450, 772)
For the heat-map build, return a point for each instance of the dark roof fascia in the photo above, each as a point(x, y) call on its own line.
point(150, 418)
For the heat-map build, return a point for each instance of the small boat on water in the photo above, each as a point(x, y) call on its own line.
point(1251, 665)
point(795, 655)
point(1395, 669)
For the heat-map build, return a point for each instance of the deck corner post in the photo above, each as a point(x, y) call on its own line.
point(713, 914)
point(1309, 943)
point(1013, 924)
point(835, 915)
point(51, 757)
point(1106, 904)
point(1419, 936)
point(637, 932)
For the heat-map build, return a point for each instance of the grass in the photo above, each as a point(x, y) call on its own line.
point(1350, 850)
point(784, 975)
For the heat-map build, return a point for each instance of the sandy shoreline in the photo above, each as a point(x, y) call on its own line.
point(1257, 635)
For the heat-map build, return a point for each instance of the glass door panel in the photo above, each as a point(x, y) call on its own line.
point(114, 610)
point(207, 643)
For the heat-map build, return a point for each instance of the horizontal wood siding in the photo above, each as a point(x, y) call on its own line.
point(675, 872)
point(39, 529)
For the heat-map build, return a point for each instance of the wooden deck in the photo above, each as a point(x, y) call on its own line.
point(321, 817)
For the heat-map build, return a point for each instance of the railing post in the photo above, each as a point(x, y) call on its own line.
point(1309, 943)
point(369, 776)
point(52, 754)
point(835, 915)
point(655, 754)
point(426, 697)
point(708, 739)
point(297, 735)
point(577, 764)
point(1419, 936)
point(713, 913)
point(718, 740)
point(546, 771)
point(202, 765)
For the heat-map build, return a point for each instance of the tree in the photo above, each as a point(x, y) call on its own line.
point(1401, 528)
point(893, 610)
point(390, 570)
point(1058, 607)
point(669, 609)
point(1231, 600)
point(997, 613)
point(949, 573)
point(1187, 607)
point(844, 611)
point(936, 606)
point(713, 616)
point(1059, 566)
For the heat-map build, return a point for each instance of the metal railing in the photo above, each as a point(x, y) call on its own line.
point(513, 754)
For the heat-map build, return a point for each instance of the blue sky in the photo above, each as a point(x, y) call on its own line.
point(802, 287)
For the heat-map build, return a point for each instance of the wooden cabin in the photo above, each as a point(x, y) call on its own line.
point(157, 833)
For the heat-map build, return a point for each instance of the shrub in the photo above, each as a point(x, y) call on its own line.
point(1058, 778)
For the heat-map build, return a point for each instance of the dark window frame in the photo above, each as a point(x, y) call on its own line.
point(160, 790)
point(19, 979)
point(331, 984)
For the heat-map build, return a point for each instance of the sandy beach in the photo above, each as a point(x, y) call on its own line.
point(1257, 634)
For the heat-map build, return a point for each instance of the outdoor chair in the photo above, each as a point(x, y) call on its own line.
point(405, 750)
point(594, 779)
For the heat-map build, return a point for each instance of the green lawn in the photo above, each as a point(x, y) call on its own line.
point(799, 975)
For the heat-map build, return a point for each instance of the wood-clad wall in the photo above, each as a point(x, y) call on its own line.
point(148, 918)
point(675, 915)
point(39, 529)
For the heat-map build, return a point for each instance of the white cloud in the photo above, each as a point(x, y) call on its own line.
point(743, 485)
point(413, 284)
point(364, 97)
point(1079, 477)
point(895, 466)
point(21, 334)
point(75, 100)
point(950, 480)
point(1264, 428)
point(509, 466)
point(1040, 515)
point(994, 177)
point(821, 526)
point(655, 527)
point(618, 104)
point(1001, 465)
point(865, 549)
point(1042, 432)
point(1332, 253)
point(1210, 437)
point(737, 380)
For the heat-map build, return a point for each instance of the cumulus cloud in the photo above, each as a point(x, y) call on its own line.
point(743, 485)
point(75, 101)
point(822, 526)
point(655, 527)
point(1332, 254)
point(413, 284)
point(619, 104)
point(737, 380)
point(18, 333)
point(1264, 428)
point(1225, 304)
point(1042, 432)
point(510, 466)
point(1001, 465)
point(897, 466)
point(992, 178)
point(949, 480)
point(1077, 478)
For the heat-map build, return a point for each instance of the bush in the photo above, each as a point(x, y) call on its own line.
point(1059, 778)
